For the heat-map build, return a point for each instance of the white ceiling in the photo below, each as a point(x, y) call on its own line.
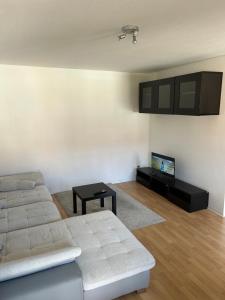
point(82, 34)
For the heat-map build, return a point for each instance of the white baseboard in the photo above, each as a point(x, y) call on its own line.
point(216, 212)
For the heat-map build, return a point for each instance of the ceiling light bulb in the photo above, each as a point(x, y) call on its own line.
point(122, 36)
point(134, 39)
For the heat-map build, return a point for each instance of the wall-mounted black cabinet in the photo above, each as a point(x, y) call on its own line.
point(192, 94)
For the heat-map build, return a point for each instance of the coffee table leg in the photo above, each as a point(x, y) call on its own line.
point(102, 202)
point(74, 202)
point(83, 207)
point(114, 204)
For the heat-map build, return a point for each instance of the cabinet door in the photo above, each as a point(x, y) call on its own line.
point(187, 94)
point(165, 96)
point(146, 97)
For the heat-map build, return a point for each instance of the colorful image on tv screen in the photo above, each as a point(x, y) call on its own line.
point(163, 165)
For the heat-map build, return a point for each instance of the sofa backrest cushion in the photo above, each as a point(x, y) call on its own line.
point(23, 197)
point(37, 177)
point(11, 184)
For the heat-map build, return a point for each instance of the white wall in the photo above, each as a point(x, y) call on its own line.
point(197, 143)
point(75, 126)
point(80, 126)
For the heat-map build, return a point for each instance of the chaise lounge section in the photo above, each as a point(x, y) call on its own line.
point(112, 261)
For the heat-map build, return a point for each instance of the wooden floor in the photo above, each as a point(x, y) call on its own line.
point(189, 250)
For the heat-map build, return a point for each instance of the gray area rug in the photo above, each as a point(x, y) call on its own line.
point(130, 211)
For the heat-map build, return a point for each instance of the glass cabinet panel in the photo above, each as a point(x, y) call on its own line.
point(146, 101)
point(147, 97)
point(165, 96)
point(164, 101)
point(187, 95)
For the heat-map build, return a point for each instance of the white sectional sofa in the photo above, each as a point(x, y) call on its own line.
point(91, 257)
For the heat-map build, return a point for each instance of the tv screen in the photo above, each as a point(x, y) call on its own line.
point(163, 164)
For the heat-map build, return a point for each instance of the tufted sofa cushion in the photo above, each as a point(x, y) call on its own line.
point(37, 177)
point(16, 198)
point(7, 185)
point(27, 216)
point(34, 249)
point(110, 252)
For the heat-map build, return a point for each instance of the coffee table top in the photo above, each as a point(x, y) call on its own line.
point(86, 192)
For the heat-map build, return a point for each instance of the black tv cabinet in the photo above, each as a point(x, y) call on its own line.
point(185, 195)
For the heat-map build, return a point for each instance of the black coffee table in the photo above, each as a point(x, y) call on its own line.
point(87, 193)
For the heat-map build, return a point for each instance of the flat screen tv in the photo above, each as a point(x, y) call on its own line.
point(163, 164)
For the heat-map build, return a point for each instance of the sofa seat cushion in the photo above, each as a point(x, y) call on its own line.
point(34, 249)
point(110, 252)
point(16, 198)
point(28, 216)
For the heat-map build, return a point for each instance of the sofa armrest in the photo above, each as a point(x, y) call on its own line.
point(31, 264)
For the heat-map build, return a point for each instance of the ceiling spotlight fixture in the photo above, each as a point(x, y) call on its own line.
point(129, 29)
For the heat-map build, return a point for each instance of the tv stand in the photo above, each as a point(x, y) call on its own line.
point(185, 195)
